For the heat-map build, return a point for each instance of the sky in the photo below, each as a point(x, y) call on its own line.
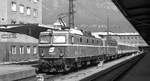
point(91, 15)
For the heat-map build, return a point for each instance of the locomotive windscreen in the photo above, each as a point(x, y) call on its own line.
point(45, 37)
point(59, 39)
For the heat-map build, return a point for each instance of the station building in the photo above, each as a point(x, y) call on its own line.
point(132, 39)
point(20, 11)
point(15, 47)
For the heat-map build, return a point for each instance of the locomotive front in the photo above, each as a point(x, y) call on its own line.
point(52, 45)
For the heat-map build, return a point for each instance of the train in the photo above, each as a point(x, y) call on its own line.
point(64, 50)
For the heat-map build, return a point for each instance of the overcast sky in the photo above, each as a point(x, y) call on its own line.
point(90, 13)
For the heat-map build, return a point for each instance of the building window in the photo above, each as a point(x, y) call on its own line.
point(28, 11)
point(13, 49)
point(21, 8)
point(21, 22)
point(13, 21)
point(34, 50)
point(21, 50)
point(35, 12)
point(28, 50)
point(13, 6)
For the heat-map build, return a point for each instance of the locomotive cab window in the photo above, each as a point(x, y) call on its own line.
point(44, 39)
point(59, 39)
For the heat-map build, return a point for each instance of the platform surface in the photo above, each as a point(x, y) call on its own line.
point(90, 71)
point(15, 72)
point(140, 72)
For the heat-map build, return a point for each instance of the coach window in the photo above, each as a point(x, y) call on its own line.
point(28, 50)
point(80, 39)
point(13, 49)
point(87, 41)
point(97, 42)
point(92, 41)
point(34, 50)
point(72, 39)
point(21, 50)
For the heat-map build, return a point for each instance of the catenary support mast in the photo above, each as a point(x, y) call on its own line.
point(71, 14)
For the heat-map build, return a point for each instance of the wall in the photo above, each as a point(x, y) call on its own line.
point(3, 11)
point(23, 17)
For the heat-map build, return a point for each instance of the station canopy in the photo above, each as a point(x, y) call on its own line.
point(138, 14)
point(28, 29)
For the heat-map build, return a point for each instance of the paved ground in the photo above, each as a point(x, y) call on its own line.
point(140, 72)
point(14, 72)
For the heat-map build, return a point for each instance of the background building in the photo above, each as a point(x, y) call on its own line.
point(132, 39)
point(20, 11)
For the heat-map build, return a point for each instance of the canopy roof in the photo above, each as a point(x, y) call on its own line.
point(28, 29)
point(138, 13)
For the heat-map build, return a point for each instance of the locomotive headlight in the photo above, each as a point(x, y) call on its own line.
point(51, 49)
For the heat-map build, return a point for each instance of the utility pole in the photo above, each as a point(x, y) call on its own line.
point(107, 38)
point(107, 27)
point(71, 14)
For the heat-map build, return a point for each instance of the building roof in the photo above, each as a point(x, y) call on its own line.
point(17, 37)
point(138, 13)
point(111, 33)
point(28, 29)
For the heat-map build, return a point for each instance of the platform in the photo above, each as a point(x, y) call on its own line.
point(140, 72)
point(16, 72)
point(77, 76)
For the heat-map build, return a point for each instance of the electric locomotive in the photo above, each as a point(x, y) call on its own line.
point(63, 50)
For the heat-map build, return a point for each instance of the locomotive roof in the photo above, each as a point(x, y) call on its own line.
point(72, 31)
point(111, 33)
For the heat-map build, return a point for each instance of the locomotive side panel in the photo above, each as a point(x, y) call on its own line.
point(52, 51)
point(70, 51)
